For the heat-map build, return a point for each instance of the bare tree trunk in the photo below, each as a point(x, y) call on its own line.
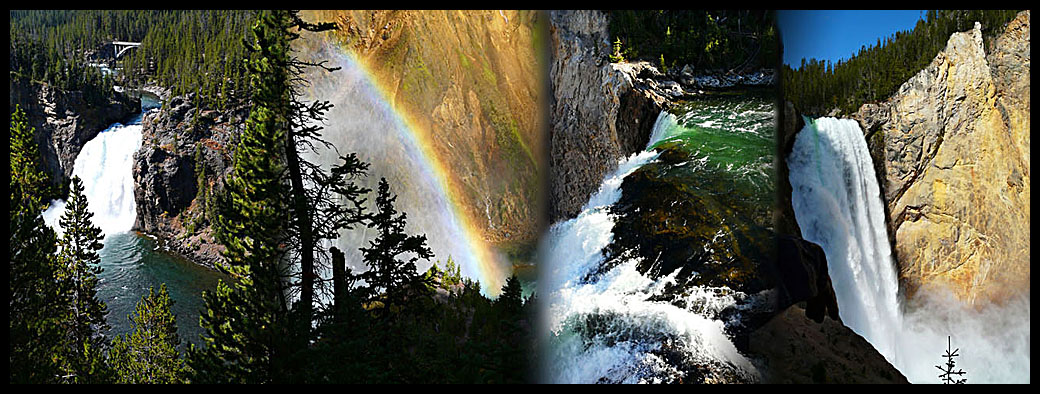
point(304, 224)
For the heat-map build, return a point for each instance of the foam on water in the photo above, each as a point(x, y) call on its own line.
point(610, 328)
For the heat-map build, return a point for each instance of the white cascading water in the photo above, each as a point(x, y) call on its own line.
point(837, 204)
point(105, 164)
point(629, 327)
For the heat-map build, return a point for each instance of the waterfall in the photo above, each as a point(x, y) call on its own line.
point(837, 204)
point(611, 328)
point(105, 164)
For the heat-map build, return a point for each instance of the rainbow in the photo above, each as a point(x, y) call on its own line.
point(478, 261)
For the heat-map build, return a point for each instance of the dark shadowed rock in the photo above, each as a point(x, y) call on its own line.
point(795, 349)
point(65, 121)
point(802, 269)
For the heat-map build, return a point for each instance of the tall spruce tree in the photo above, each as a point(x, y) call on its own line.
point(247, 332)
point(149, 353)
point(277, 210)
point(36, 304)
point(322, 202)
point(83, 357)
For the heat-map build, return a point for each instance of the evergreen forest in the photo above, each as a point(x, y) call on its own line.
point(191, 51)
point(876, 71)
point(712, 40)
point(266, 322)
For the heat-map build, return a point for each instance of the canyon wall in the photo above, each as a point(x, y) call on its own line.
point(952, 152)
point(65, 121)
point(469, 83)
point(598, 111)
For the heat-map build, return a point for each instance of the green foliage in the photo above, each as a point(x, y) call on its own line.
point(246, 321)
point(83, 358)
point(186, 50)
point(705, 39)
point(200, 181)
point(464, 338)
point(36, 303)
point(149, 354)
point(877, 71)
point(616, 56)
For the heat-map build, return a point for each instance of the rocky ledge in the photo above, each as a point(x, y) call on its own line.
point(65, 121)
point(179, 170)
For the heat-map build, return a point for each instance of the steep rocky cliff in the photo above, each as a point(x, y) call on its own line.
point(471, 84)
point(65, 121)
point(599, 112)
point(179, 170)
point(952, 151)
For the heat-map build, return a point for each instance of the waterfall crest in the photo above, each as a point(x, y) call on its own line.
point(105, 164)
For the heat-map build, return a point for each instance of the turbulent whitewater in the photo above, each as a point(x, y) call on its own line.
point(837, 203)
point(617, 323)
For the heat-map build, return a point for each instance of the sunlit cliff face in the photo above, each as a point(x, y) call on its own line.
point(458, 95)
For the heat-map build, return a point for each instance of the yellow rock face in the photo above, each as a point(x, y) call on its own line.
point(471, 83)
point(957, 168)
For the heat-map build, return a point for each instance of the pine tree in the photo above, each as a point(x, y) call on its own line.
point(511, 300)
point(36, 303)
point(316, 213)
point(386, 273)
point(246, 321)
point(83, 359)
point(149, 353)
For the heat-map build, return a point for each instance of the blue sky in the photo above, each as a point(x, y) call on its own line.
point(833, 35)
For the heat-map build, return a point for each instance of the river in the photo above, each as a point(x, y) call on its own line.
point(131, 262)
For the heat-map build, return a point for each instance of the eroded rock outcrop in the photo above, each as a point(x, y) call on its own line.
point(65, 121)
point(952, 150)
point(179, 143)
point(598, 111)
